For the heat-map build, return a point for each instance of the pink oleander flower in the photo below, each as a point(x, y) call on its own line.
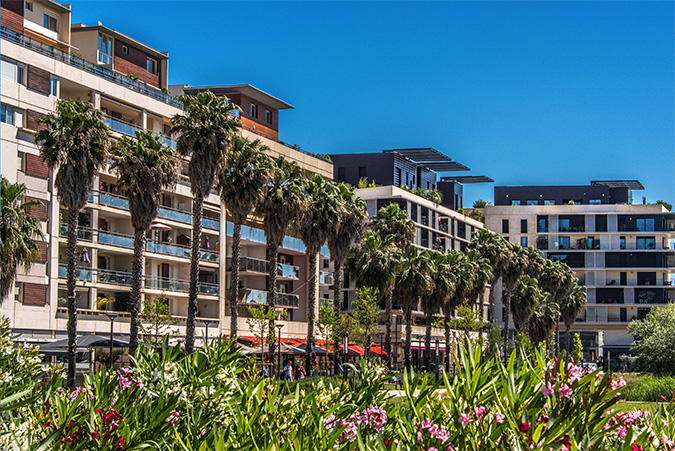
point(426, 424)
point(465, 419)
point(432, 449)
point(173, 418)
point(620, 382)
point(547, 389)
point(499, 418)
point(480, 411)
point(565, 391)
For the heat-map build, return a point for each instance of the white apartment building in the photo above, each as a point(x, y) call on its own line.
point(44, 59)
point(623, 253)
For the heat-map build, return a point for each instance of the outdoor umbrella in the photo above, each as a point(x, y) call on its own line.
point(83, 342)
point(315, 349)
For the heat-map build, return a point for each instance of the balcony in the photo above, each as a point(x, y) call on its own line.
point(58, 55)
point(258, 236)
point(288, 271)
point(127, 242)
point(258, 266)
point(82, 274)
point(326, 278)
point(259, 297)
point(130, 130)
point(182, 286)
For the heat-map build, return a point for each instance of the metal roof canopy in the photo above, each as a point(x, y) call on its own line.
point(247, 90)
point(468, 179)
point(630, 184)
point(421, 155)
point(444, 166)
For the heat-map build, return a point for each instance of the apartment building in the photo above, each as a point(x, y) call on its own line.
point(45, 59)
point(438, 227)
point(623, 253)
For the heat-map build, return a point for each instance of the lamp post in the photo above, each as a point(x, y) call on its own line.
point(206, 323)
point(438, 359)
point(111, 317)
point(394, 348)
point(419, 352)
point(381, 334)
point(279, 326)
point(345, 349)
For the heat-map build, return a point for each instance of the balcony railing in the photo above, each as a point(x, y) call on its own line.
point(326, 278)
point(259, 297)
point(259, 266)
point(87, 66)
point(81, 274)
point(288, 271)
point(127, 242)
point(130, 129)
point(258, 236)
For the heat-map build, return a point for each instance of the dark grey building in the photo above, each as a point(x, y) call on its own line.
point(614, 192)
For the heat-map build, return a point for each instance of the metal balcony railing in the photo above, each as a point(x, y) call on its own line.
point(130, 130)
point(58, 55)
point(326, 278)
point(253, 296)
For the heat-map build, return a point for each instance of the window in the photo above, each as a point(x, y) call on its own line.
point(18, 289)
point(152, 66)
point(125, 49)
point(12, 71)
point(549, 202)
point(50, 22)
point(21, 161)
point(542, 224)
point(600, 223)
point(341, 175)
point(523, 226)
point(523, 241)
point(646, 242)
point(397, 177)
point(532, 202)
point(254, 110)
point(29, 6)
point(362, 172)
point(268, 117)
point(515, 202)
point(505, 226)
point(104, 49)
point(54, 86)
point(564, 242)
point(622, 242)
point(564, 225)
point(594, 202)
point(7, 114)
point(645, 224)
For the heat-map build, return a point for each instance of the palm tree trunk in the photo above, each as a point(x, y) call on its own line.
point(448, 317)
point(234, 279)
point(387, 323)
point(557, 334)
point(135, 297)
point(427, 342)
point(408, 336)
point(194, 273)
point(312, 297)
point(337, 302)
point(72, 306)
point(272, 293)
point(507, 316)
point(491, 303)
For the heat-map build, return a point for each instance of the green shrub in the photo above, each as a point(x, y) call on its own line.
point(649, 388)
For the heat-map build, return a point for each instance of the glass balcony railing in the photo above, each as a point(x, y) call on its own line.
point(175, 215)
point(113, 200)
point(130, 129)
point(326, 278)
point(288, 271)
point(260, 297)
point(168, 249)
point(114, 277)
point(82, 274)
point(248, 264)
point(210, 223)
point(115, 239)
point(87, 66)
point(183, 286)
point(83, 233)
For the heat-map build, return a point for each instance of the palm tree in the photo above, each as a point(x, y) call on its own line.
point(313, 227)
point(542, 322)
point(241, 182)
point(206, 128)
point(283, 202)
point(558, 280)
point(349, 221)
point(76, 141)
point(481, 275)
point(144, 166)
point(525, 299)
point(392, 220)
point(18, 232)
point(413, 282)
point(441, 289)
point(570, 306)
point(463, 269)
point(494, 249)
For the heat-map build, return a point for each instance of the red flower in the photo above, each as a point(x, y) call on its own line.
point(636, 446)
point(525, 427)
point(543, 419)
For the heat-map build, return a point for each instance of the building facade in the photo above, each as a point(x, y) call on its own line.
point(624, 254)
point(44, 60)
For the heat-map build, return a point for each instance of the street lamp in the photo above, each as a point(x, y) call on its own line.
point(419, 352)
point(206, 323)
point(279, 326)
point(111, 317)
point(438, 359)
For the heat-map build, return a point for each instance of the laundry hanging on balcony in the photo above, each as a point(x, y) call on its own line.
point(207, 244)
point(84, 258)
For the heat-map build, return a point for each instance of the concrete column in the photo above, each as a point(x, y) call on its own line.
point(95, 97)
point(143, 119)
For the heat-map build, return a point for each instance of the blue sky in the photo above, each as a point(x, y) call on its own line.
point(524, 92)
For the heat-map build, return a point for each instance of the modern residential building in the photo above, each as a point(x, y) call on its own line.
point(45, 59)
point(623, 253)
point(440, 227)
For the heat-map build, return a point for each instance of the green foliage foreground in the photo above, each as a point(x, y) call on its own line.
point(213, 399)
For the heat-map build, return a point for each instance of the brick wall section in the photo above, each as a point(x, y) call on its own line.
point(38, 211)
point(42, 258)
point(38, 80)
point(135, 63)
point(34, 294)
point(12, 14)
point(36, 167)
point(31, 120)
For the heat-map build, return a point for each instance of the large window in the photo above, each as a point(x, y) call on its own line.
point(542, 224)
point(54, 86)
point(49, 22)
point(645, 242)
point(523, 241)
point(564, 242)
point(10, 115)
point(12, 71)
point(152, 66)
point(505, 226)
point(645, 224)
point(622, 242)
point(564, 225)
point(104, 49)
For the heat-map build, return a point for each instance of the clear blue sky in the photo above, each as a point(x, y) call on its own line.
point(524, 92)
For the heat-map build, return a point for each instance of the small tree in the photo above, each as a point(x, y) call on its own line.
point(468, 320)
point(655, 340)
point(668, 206)
point(365, 316)
point(156, 320)
point(259, 324)
point(577, 349)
